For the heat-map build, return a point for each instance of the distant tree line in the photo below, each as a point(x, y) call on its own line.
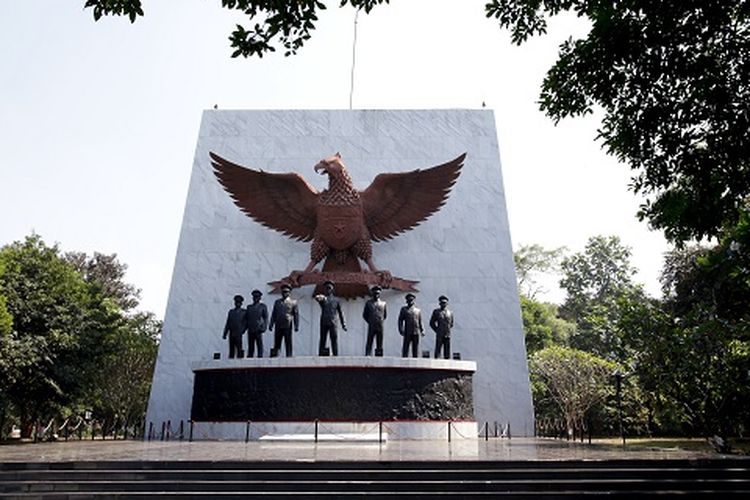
point(71, 340)
point(684, 359)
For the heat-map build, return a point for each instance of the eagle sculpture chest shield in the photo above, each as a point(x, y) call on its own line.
point(340, 226)
point(341, 221)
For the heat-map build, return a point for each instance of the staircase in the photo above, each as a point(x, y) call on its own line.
point(719, 478)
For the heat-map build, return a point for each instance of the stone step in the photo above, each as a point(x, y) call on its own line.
point(348, 485)
point(220, 474)
point(706, 478)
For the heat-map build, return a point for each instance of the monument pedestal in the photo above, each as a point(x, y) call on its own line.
point(407, 398)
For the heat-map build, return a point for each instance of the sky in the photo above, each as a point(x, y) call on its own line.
point(99, 120)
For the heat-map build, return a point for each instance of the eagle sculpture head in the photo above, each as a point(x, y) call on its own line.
point(331, 166)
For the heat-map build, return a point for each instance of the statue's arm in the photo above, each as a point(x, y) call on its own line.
point(365, 312)
point(401, 321)
point(434, 321)
point(341, 315)
point(226, 328)
point(273, 318)
point(295, 312)
point(264, 316)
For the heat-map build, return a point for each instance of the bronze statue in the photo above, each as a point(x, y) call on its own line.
point(330, 309)
point(284, 316)
point(374, 314)
point(257, 322)
point(235, 327)
point(410, 327)
point(341, 221)
point(441, 323)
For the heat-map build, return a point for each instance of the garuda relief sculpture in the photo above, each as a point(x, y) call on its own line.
point(341, 221)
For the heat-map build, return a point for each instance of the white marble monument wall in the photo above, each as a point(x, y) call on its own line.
point(462, 251)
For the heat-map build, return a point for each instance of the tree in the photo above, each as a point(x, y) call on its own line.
point(575, 381)
point(706, 353)
point(60, 327)
point(123, 383)
point(601, 271)
point(107, 274)
point(542, 327)
point(599, 285)
point(672, 81)
point(532, 260)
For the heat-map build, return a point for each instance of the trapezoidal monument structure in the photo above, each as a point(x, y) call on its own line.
point(440, 231)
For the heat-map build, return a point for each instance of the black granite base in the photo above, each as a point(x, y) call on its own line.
point(333, 393)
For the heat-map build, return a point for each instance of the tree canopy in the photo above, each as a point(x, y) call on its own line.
point(672, 80)
point(63, 331)
point(276, 24)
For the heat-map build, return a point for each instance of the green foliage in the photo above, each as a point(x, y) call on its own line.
point(599, 285)
point(130, 8)
point(6, 320)
point(276, 23)
point(47, 300)
point(541, 325)
point(531, 261)
point(575, 381)
point(122, 384)
point(706, 351)
point(672, 80)
point(107, 275)
point(67, 329)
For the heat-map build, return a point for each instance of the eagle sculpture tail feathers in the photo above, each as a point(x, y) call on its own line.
point(349, 264)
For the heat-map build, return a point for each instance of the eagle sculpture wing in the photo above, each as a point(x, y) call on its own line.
point(284, 202)
point(395, 203)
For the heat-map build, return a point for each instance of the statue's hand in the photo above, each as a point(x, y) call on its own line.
point(344, 327)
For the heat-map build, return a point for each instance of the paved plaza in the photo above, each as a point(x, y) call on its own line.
point(464, 450)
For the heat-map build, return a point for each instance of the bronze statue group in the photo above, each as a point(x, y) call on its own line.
point(285, 316)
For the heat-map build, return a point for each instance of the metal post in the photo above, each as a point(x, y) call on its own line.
point(36, 431)
point(486, 431)
point(169, 429)
point(508, 429)
point(316, 430)
point(190, 438)
point(93, 429)
point(495, 428)
point(182, 429)
point(150, 430)
point(618, 387)
point(449, 431)
point(380, 432)
point(163, 429)
point(247, 431)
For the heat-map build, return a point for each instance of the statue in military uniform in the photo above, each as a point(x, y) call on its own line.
point(330, 313)
point(410, 327)
point(235, 327)
point(374, 314)
point(257, 322)
point(284, 316)
point(441, 323)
